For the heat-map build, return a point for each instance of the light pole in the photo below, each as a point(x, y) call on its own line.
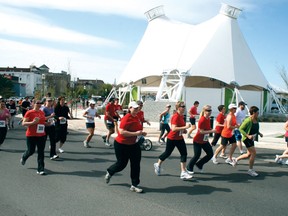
point(43, 85)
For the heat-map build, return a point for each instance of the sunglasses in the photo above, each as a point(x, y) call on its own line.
point(38, 103)
point(183, 106)
point(208, 110)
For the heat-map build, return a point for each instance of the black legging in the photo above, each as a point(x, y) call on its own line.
point(170, 145)
point(197, 153)
point(124, 153)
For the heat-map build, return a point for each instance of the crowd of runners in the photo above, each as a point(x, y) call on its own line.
point(49, 118)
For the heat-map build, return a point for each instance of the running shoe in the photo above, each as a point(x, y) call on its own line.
point(22, 161)
point(41, 173)
point(277, 159)
point(61, 150)
point(214, 160)
point(252, 173)
point(54, 157)
point(157, 169)
point(107, 177)
point(104, 138)
point(185, 175)
point(86, 144)
point(136, 189)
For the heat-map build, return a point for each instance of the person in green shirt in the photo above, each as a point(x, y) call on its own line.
point(250, 131)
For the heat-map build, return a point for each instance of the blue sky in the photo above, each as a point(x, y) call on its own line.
point(93, 39)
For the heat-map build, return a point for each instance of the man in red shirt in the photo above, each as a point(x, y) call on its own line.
point(110, 120)
point(193, 112)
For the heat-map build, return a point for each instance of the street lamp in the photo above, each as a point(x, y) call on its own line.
point(43, 84)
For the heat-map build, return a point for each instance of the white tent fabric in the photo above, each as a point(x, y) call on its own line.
point(215, 49)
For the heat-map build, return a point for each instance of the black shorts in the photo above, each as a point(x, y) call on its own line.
point(192, 121)
point(286, 140)
point(225, 141)
point(90, 125)
point(109, 124)
point(248, 143)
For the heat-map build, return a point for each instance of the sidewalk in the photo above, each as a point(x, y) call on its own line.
point(270, 140)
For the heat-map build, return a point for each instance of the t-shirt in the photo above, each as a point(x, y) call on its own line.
point(228, 132)
point(4, 113)
point(193, 111)
point(204, 124)
point(11, 108)
point(61, 111)
point(129, 123)
point(48, 111)
point(220, 119)
point(91, 113)
point(38, 129)
point(240, 116)
point(111, 109)
point(177, 120)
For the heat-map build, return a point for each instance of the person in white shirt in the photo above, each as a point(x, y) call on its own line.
point(240, 116)
point(90, 113)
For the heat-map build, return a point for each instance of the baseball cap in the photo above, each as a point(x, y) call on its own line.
point(133, 104)
point(92, 102)
point(168, 105)
point(242, 103)
point(231, 106)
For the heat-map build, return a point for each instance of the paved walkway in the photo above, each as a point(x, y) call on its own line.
point(271, 131)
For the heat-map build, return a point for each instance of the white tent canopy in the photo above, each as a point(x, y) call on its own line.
point(213, 49)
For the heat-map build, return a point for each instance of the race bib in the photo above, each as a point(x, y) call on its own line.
point(206, 137)
point(40, 128)
point(63, 121)
point(2, 123)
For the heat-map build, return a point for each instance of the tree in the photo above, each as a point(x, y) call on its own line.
point(6, 87)
point(284, 75)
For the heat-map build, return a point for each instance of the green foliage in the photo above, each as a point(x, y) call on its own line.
point(6, 87)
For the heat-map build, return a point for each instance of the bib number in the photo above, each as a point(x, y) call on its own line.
point(63, 121)
point(206, 137)
point(40, 128)
point(2, 123)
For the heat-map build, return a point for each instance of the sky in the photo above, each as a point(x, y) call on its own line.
point(93, 39)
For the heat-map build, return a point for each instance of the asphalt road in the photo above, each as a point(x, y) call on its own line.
point(75, 184)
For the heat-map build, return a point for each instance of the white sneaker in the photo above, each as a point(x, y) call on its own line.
point(61, 150)
point(108, 144)
point(185, 175)
point(107, 177)
point(157, 169)
point(277, 159)
point(54, 157)
point(86, 144)
point(41, 173)
point(189, 172)
point(234, 162)
point(252, 173)
point(214, 160)
point(136, 189)
point(228, 161)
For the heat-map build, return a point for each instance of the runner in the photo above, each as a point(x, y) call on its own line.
point(127, 148)
point(62, 113)
point(175, 139)
point(34, 120)
point(90, 113)
point(4, 118)
point(201, 141)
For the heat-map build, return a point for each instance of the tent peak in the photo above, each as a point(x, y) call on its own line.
point(230, 11)
point(155, 13)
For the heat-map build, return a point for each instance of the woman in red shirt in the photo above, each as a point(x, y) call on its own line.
point(201, 141)
point(175, 139)
point(127, 147)
point(34, 120)
point(227, 136)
